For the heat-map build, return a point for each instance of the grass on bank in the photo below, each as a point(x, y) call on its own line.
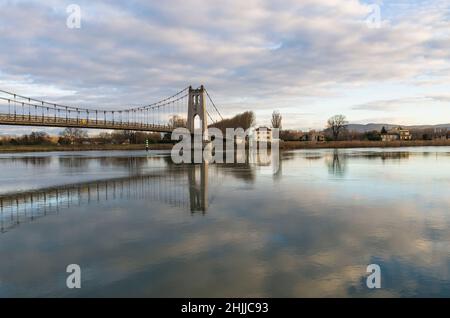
point(286, 145)
point(362, 144)
point(43, 148)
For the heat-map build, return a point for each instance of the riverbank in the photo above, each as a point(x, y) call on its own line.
point(44, 148)
point(285, 145)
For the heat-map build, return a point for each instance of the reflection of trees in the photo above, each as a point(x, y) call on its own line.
point(394, 155)
point(337, 164)
point(129, 162)
point(241, 171)
point(73, 162)
point(384, 155)
point(35, 161)
point(287, 155)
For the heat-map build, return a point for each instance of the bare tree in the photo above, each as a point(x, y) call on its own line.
point(72, 135)
point(276, 119)
point(337, 124)
point(177, 121)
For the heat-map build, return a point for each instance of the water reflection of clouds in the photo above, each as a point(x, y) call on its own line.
point(292, 238)
point(34, 171)
point(328, 241)
point(300, 248)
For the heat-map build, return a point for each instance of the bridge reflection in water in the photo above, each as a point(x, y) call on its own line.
point(185, 187)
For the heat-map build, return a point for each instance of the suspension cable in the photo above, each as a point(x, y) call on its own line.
point(170, 104)
point(214, 122)
point(209, 97)
point(87, 109)
point(163, 101)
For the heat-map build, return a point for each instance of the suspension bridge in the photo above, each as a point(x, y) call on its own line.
point(178, 110)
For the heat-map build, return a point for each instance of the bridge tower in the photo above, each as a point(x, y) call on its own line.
point(197, 107)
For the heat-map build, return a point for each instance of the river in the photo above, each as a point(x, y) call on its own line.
point(139, 225)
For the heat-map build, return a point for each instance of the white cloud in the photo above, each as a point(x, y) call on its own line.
point(270, 52)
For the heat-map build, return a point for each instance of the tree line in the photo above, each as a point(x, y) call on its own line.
point(337, 130)
point(244, 120)
point(76, 136)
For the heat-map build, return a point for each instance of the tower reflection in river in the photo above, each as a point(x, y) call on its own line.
point(184, 186)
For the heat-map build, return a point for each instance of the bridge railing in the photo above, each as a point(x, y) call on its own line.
point(161, 117)
point(33, 120)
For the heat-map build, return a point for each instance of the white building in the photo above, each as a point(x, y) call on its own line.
point(263, 134)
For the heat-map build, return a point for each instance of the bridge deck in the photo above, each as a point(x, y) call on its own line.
point(53, 121)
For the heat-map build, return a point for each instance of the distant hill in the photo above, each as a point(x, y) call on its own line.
point(370, 127)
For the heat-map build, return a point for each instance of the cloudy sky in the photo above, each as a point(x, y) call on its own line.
point(309, 59)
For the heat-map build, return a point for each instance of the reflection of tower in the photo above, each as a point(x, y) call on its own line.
point(197, 107)
point(170, 188)
point(198, 187)
point(278, 174)
point(338, 164)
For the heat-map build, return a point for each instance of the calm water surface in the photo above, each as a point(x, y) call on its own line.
point(141, 226)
